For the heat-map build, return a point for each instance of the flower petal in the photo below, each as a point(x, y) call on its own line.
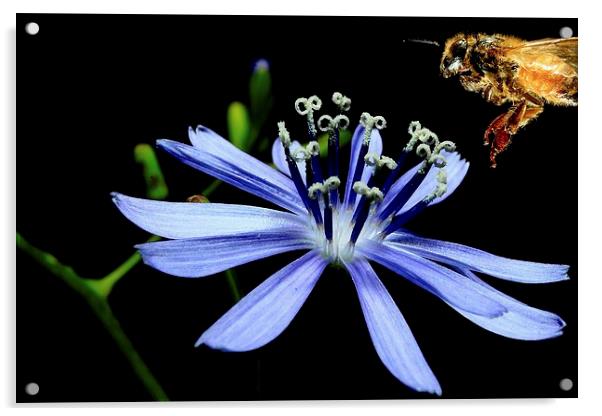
point(391, 335)
point(447, 284)
point(520, 322)
point(264, 313)
point(474, 259)
point(199, 257)
point(193, 220)
point(221, 159)
point(376, 146)
point(456, 171)
point(280, 159)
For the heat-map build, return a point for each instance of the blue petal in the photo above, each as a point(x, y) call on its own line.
point(447, 284)
point(199, 257)
point(221, 159)
point(264, 313)
point(192, 220)
point(520, 322)
point(456, 169)
point(474, 259)
point(280, 159)
point(376, 146)
point(391, 335)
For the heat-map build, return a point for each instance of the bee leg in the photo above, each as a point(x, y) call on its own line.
point(496, 126)
point(502, 132)
point(507, 125)
point(501, 141)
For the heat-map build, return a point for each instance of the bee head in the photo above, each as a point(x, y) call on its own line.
point(455, 56)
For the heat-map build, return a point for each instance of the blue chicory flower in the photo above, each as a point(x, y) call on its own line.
point(365, 225)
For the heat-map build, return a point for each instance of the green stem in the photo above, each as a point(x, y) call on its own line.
point(233, 284)
point(211, 188)
point(98, 302)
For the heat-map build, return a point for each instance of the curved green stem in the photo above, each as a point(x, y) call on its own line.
point(97, 299)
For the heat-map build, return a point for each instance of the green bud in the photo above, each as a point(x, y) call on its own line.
point(260, 93)
point(239, 125)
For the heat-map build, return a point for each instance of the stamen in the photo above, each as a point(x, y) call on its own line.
point(306, 107)
point(400, 220)
point(300, 154)
point(369, 123)
point(329, 184)
point(418, 134)
point(311, 206)
point(440, 188)
point(341, 101)
point(372, 159)
point(284, 135)
point(314, 191)
point(332, 126)
point(431, 157)
point(369, 196)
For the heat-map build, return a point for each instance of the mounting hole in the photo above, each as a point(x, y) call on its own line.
point(32, 28)
point(32, 389)
point(566, 32)
point(566, 384)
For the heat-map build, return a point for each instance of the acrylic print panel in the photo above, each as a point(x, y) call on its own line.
point(289, 288)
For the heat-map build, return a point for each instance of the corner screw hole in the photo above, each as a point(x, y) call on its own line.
point(32, 389)
point(32, 28)
point(566, 384)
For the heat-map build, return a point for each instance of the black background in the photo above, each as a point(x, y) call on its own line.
point(92, 86)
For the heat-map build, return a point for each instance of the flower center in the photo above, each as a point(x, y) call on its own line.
point(338, 227)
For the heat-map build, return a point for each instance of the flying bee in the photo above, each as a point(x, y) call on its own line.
point(505, 69)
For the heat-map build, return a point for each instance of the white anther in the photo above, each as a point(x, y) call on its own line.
point(332, 183)
point(314, 102)
point(314, 190)
point(414, 125)
point(341, 121)
point(327, 123)
point(284, 135)
point(373, 159)
point(420, 134)
point(329, 184)
point(313, 148)
point(341, 101)
point(369, 123)
point(306, 107)
point(371, 194)
point(440, 188)
point(380, 122)
point(427, 140)
point(447, 145)
point(300, 154)
point(423, 151)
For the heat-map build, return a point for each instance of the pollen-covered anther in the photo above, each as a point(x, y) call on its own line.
point(373, 159)
point(327, 123)
point(300, 154)
point(420, 134)
point(283, 134)
point(329, 184)
point(371, 194)
point(370, 122)
point(341, 101)
point(306, 107)
point(440, 188)
point(313, 148)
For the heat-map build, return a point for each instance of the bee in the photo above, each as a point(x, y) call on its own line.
point(505, 69)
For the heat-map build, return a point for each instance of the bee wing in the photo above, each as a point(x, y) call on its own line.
point(565, 49)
